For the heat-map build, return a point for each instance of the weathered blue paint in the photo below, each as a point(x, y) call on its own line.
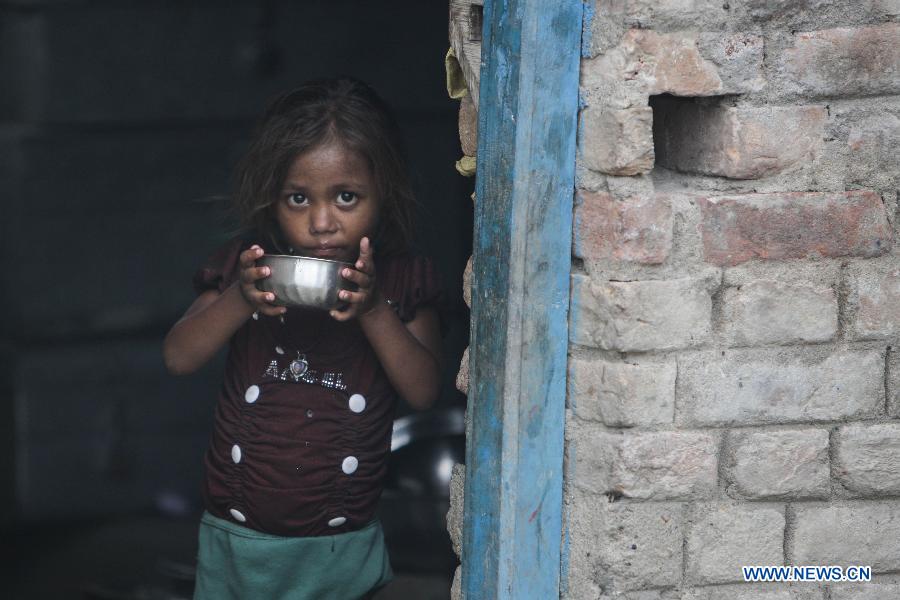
point(528, 104)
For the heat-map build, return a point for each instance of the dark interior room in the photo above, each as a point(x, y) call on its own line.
point(121, 125)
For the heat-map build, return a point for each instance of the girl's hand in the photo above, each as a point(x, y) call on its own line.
point(250, 273)
point(367, 297)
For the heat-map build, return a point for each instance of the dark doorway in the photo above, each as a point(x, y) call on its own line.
point(118, 124)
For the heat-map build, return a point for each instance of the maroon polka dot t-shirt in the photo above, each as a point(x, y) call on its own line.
point(302, 428)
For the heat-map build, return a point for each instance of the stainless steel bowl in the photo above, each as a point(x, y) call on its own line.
point(304, 281)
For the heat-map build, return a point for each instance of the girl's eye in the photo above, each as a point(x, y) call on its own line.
point(346, 198)
point(297, 199)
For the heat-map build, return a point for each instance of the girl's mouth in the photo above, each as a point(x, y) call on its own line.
point(329, 252)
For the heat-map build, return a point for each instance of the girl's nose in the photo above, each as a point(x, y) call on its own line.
point(322, 220)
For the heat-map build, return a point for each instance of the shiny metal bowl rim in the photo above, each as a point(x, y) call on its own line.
point(295, 256)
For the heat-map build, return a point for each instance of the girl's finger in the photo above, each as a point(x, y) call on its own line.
point(358, 277)
point(365, 256)
point(339, 315)
point(272, 311)
point(251, 274)
point(257, 297)
point(249, 256)
point(353, 297)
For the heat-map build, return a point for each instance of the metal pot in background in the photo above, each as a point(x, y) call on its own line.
point(414, 505)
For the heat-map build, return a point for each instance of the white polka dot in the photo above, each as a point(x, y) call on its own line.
point(279, 349)
point(357, 403)
point(256, 316)
point(251, 394)
point(337, 521)
point(236, 454)
point(238, 515)
point(349, 465)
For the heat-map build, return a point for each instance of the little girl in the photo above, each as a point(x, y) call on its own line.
point(301, 433)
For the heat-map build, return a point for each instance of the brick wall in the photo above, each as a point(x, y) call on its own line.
point(734, 381)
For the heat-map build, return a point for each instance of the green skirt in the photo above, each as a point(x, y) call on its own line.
point(236, 563)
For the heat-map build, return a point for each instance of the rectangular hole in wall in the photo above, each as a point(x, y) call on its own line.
point(688, 133)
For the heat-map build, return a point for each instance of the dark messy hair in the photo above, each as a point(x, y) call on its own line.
point(344, 110)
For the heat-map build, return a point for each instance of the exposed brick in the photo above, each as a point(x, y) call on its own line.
point(774, 312)
point(673, 64)
point(876, 297)
point(843, 62)
point(791, 12)
point(622, 394)
point(647, 11)
point(644, 62)
point(468, 126)
point(636, 229)
point(893, 381)
point(744, 591)
point(872, 144)
point(858, 533)
point(781, 226)
point(617, 141)
point(617, 546)
point(738, 58)
point(865, 591)
point(640, 315)
point(867, 458)
point(725, 537)
point(753, 388)
point(456, 585)
point(462, 376)
point(778, 464)
point(735, 142)
point(654, 465)
point(455, 514)
point(657, 594)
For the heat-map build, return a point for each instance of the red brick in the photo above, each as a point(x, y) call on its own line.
point(780, 226)
point(683, 63)
point(634, 229)
point(843, 62)
point(674, 64)
point(462, 376)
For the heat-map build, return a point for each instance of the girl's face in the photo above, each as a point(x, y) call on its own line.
point(328, 203)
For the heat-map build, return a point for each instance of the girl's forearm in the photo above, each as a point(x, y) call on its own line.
point(413, 370)
point(204, 329)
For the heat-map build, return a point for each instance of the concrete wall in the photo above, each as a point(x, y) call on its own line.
point(734, 375)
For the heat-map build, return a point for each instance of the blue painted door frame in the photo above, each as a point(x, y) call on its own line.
point(528, 105)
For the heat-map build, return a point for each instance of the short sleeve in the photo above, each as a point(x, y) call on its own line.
point(412, 282)
point(220, 270)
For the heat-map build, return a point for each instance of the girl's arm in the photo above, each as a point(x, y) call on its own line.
point(409, 353)
point(206, 326)
point(213, 318)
